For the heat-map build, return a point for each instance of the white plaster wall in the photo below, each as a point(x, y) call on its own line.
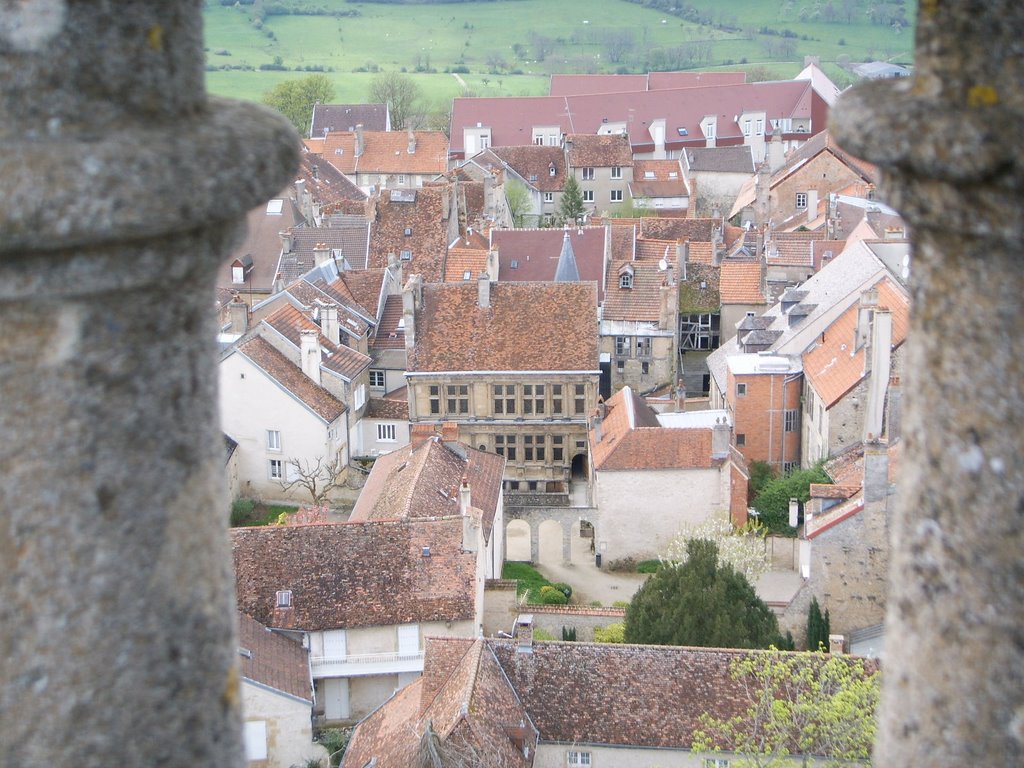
point(250, 404)
point(640, 511)
point(289, 726)
point(367, 443)
point(556, 756)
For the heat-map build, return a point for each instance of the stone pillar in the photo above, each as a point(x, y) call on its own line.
point(954, 167)
point(534, 541)
point(566, 527)
point(122, 188)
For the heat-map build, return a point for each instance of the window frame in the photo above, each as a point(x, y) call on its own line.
point(377, 373)
point(274, 440)
point(588, 195)
point(587, 173)
point(741, 389)
point(615, 196)
point(275, 469)
point(577, 758)
point(801, 200)
point(616, 173)
point(387, 432)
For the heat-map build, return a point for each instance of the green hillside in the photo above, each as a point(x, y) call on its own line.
point(510, 47)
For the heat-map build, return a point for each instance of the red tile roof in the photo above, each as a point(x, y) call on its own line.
point(273, 660)
point(741, 282)
point(464, 264)
point(573, 85)
point(642, 301)
point(527, 327)
point(535, 254)
point(388, 152)
point(423, 213)
point(345, 117)
point(389, 335)
point(533, 162)
point(394, 405)
point(291, 378)
point(589, 150)
point(345, 361)
point(633, 439)
point(347, 575)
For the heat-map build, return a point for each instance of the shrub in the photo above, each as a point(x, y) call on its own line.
point(569, 634)
point(564, 588)
point(241, 511)
point(553, 597)
point(613, 633)
point(335, 741)
point(620, 604)
point(772, 503)
point(648, 566)
point(542, 634)
point(596, 604)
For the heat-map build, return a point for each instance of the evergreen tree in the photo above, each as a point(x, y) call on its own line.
point(570, 208)
point(818, 628)
point(700, 602)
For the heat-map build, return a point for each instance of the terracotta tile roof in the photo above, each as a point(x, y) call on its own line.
point(346, 575)
point(347, 241)
point(362, 287)
point(388, 734)
point(833, 367)
point(632, 438)
point(535, 252)
point(345, 361)
point(424, 214)
point(528, 327)
point(644, 188)
point(291, 378)
point(262, 245)
point(388, 152)
point(701, 253)
point(464, 264)
point(741, 282)
point(587, 150)
point(701, 230)
point(533, 163)
point(792, 249)
point(658, 178)
point(389, 335)
point(641, 302)
point(345, 117)
point(829, 491)
point(394, 405)
point(351, 317)
point(425, 481)
point(330, 188)
point(273, 660)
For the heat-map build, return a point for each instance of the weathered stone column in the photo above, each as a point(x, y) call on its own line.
point(948, 144)
point(121, 186)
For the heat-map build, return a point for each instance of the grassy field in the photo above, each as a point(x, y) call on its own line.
point(510, 47)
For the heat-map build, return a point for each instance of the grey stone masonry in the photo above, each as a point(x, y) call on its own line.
point(952, 163)
point(121, 188)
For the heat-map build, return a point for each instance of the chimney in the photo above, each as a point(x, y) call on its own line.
point(450, 431)
point(877, 364)
point(489, 205)
point(876, 470)
point(666, 318)
point(762, 195)
point(865, 310)
point(412, 298)
point(412, 143)
point(278, 285)
point(321, 254)
point(287, 241)
point(776, 154)
point(599, 417)
point(419, 434)
point(837, 644)
point(721, 435)
point(238, 311)
point(359, 140)
point(309, 349)
point(523, 633)
point(470, 520)
point(329, 321)
point(315, 170)
point(492, 263)
point(483, 291)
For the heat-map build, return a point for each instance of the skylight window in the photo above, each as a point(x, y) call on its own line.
point(275, 206)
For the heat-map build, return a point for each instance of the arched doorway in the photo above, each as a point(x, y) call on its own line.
point(550, 538)
point(517, 541)
point(579, 466)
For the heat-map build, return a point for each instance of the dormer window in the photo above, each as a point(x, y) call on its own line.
point(551, 170)
point(284, 598)
point(408, 231)
point(625, 280)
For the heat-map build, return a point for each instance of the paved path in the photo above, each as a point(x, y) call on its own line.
point(459, 80)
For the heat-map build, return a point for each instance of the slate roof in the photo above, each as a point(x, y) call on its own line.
point(632, 438)
point(536, 253)
point(720, 159)
point(270, 659)
point(262, 244)
point(389, 335)
point(388, 152)
point(528, 327)
point(741, 281)
point(348, 237)
point(533, 163)
point(833, 366)
point(344, 575)
point(423, 213)
point(345, 361)
point(425, 482)
point(588, 150)
point(291, 378)
point(345, 117)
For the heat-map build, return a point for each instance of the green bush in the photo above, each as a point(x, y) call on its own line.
point(542, 634)
point(772, 503)
point(564, 588)
point(553, 597)
point(613, 633)
point(648, 566)
point(241, 512)
point(620, 604)
point(335, 741)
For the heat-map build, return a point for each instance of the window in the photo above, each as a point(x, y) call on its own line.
point(533, 398)
point(790, 418)
point(588, 174)
point(716, 762)
point(504, 398)
point(401, 179)
point(276, 469)
point(741, 389)
point(643, 346)
point(588, 195)
point(801, 199)
point(435, 399)
point(622, 346)
point(580, 401)
point(408, 231)
point(533, 448)
point(238, 274)
point(538, 139)
point(552, 170)
point(746, 127)
point(578, 758)
point(790, 466)
point(458, 398)
point(284, 598)
point(700, 331)
point(620, 365)
point(386, 433)
point(616, 172)
point(549, 197)
point(255, 740)
point(556, 399)
point(645, 368)
point(377, 379)
point(558, 449)
point(359, 396)
point(741, 440)
point(505, 445)
point(273, 440)
point(616, 196)
point(759, 126)
point(626, 280)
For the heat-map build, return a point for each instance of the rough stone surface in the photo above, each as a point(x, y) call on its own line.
point(954, 682)
point(122, 186)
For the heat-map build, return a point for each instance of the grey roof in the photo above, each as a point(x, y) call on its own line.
point(720, 159)
point(345, 117)
point(348, 238)
point(566, 271)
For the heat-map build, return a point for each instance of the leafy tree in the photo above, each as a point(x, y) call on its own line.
point(700, 602)
point(518, 199)
point(772, 503)
point(400, 93)
point(295, 99)
point(760, 473)
point(802, 707)
point(570, 208)
point(744, 549)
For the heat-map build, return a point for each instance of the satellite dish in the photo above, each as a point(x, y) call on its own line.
point(662, 265)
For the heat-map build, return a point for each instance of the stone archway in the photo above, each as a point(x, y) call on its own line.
point(517, 541)
point(550, 542)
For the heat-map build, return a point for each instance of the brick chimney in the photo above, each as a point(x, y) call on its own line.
point(360, 146)
point(287, 241)
point(483, 291)
point(450, 431)
point(412, 143)
point(309, 350)
point(321, 253)
point(412, 299)
point(470, 520)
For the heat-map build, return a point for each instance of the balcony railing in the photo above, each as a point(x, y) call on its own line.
point(353, 665)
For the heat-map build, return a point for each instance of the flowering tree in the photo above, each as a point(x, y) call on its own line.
point(742, 549)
